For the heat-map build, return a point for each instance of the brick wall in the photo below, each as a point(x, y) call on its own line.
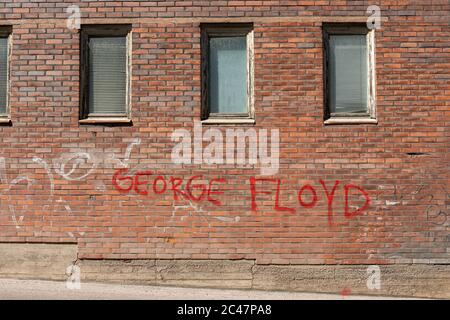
point(57, 175)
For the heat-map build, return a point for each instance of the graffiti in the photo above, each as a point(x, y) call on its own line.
point(198, 210)
point(436, 215)
point(197, 189)
point(126, 159)
point(314, 198)
point(12, 184)
point(75, 166)
point(345, 292)
point(399, 194)
point(73, 234)
point(99, 186)
point(13, 216)
point(77, 160)
point(79, 165)
point(429, 200)
point(192, 191)
point(436, 211)
point(62, 203)
point(228, 219)
point(19, 179)
point(148, 183)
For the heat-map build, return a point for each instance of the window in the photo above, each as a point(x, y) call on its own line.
point(227, 73)
point(5, 36)
point(105, 74)
point(349, 74)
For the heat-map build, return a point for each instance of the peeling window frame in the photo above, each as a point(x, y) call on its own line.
point(348, 118)
point(209, 30)
point(5, 117)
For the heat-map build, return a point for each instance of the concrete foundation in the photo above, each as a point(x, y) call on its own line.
point(49, 261)
point(36, 260)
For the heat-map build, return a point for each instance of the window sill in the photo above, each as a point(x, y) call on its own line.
point(350, 121)
point(5, 121)
point(105, 120)
point(228, 121)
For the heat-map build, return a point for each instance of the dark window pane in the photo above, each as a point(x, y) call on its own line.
point(348, 74)
point(228, 75)
point(3, 73)
point(107, 75)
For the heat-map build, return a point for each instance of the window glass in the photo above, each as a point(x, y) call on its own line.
point(107, 75)
point(3, 73)
point(348, 74)
point(228, 75)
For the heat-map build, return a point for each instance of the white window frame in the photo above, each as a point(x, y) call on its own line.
point(6, 32)
point(371, 116)
point(233, 29)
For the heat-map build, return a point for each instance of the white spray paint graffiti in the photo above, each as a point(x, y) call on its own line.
point(198, 210)
point(202, 213)
point(15, 181)
point(17, 223)
point(63, 203)
point(228, 219)
point(19, 179)
point(73, 234)
point(67, 166)
point(126, 158)
point(78, 160)
point(79, 165)
point(99, 186)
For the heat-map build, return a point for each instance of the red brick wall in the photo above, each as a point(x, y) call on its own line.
point(407, 218)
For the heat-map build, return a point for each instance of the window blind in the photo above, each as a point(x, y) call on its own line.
point(107, 75)
point(348, 74)
point(3, 73)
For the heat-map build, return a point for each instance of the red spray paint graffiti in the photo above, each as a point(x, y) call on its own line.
point(313, 202)
point(159, 185)
point(192, 189)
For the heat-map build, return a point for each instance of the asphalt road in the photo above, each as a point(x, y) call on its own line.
point(51, 290)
